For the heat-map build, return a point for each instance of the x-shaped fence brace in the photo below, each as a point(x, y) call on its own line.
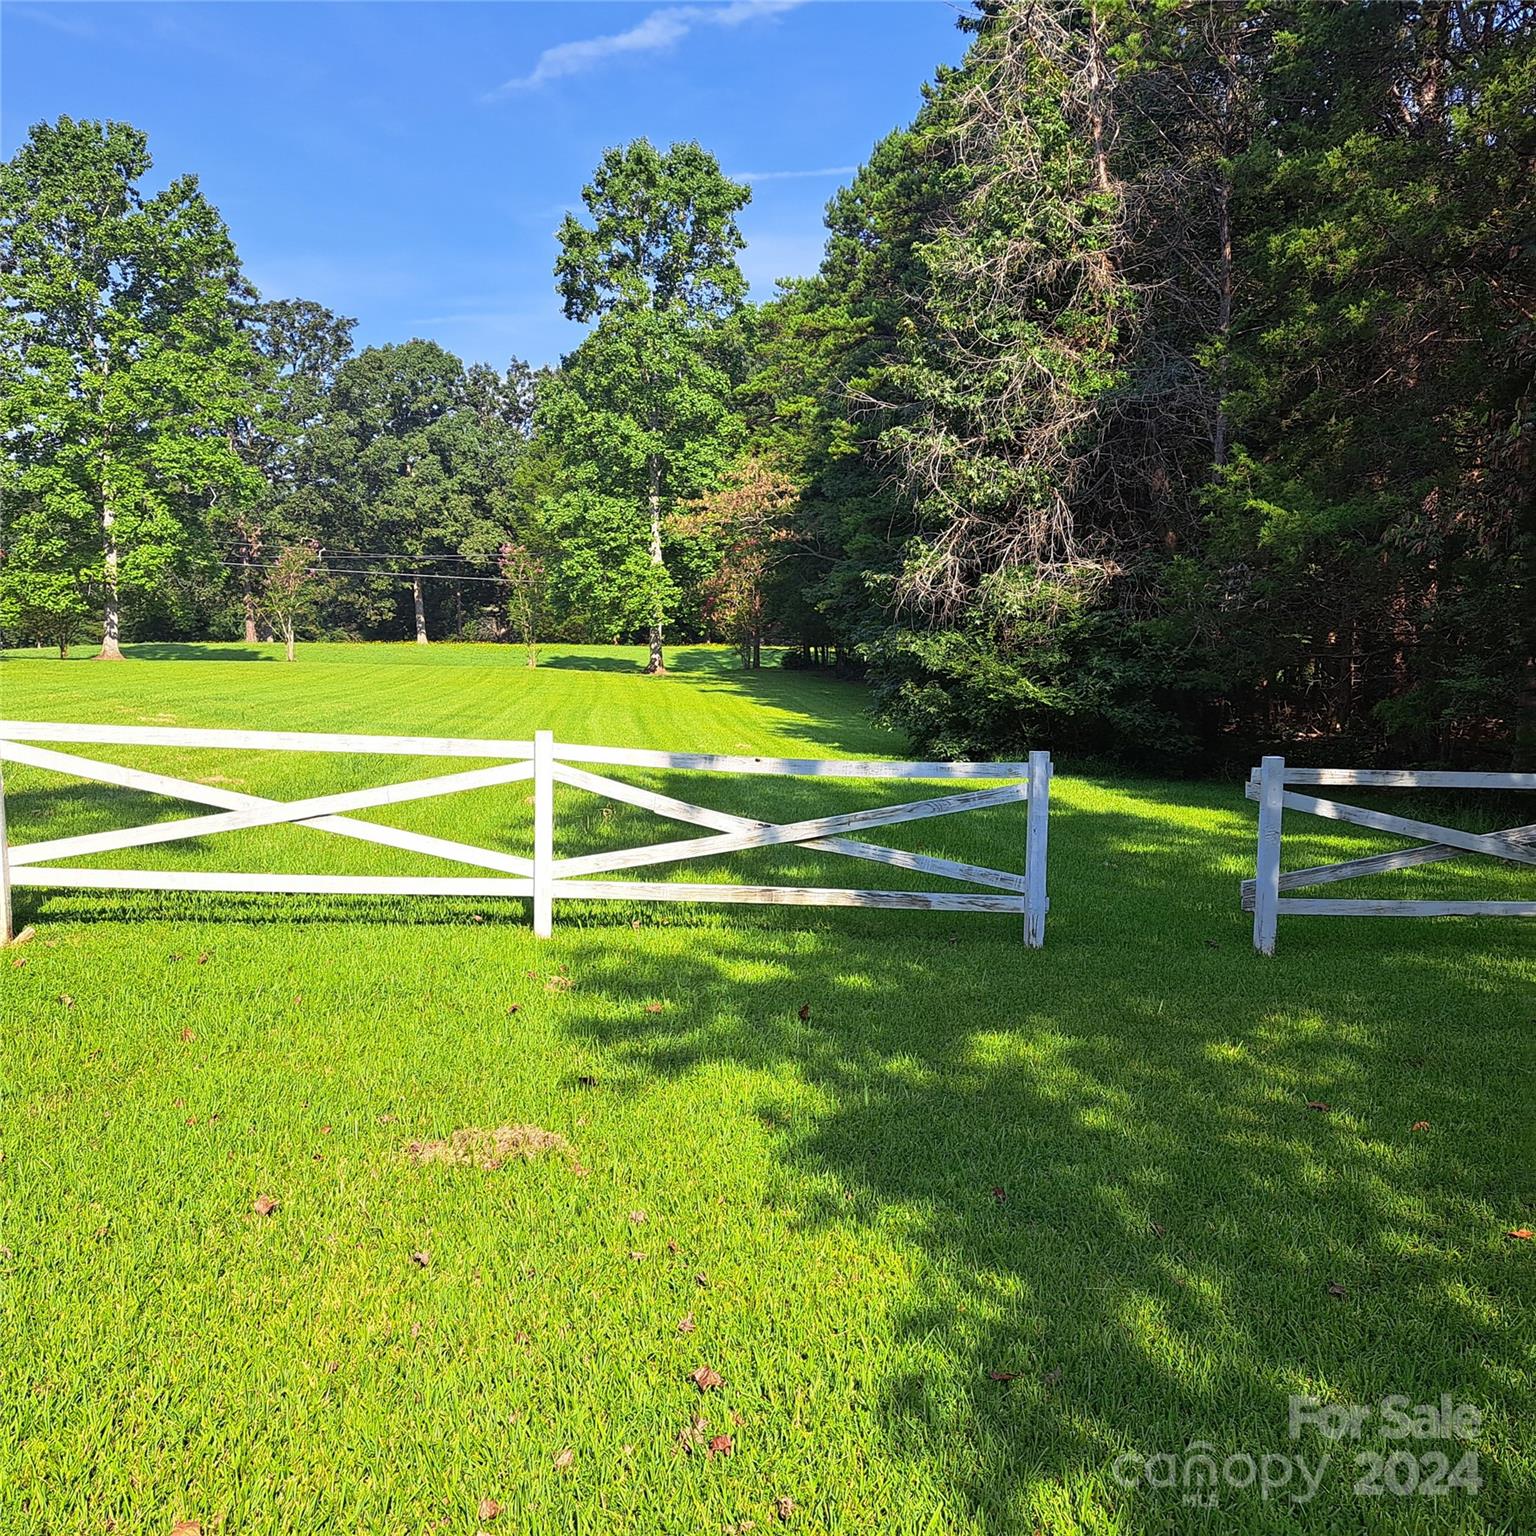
point(542, 877)
point(1267, 785)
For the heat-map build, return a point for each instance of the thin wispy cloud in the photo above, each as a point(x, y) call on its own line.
point(655, 32)
point(54, 17)
point(824, 170)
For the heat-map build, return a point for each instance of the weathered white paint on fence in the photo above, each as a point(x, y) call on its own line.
point(543, 878)
point(543, 834)
point(1261, 895)
point(1036, 904)
point(7, 928)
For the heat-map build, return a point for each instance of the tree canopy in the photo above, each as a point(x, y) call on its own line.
point(1165, 391)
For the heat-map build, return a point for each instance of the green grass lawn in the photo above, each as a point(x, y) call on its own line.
point(984, 1221)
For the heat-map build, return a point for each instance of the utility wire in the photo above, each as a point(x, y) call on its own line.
point(257, 565)
point(380, 554)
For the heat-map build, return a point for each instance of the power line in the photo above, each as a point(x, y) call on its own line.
point(380, 554)
point(258, 565)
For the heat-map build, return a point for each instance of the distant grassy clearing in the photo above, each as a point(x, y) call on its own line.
point(1089, 1170)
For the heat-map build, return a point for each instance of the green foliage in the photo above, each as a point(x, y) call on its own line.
point(122, 361)
point(663, 236)
point(1168, 386)
point(642, 410)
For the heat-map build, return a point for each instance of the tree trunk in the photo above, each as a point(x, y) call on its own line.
point(656, 665)
point(112, 616)
point(1223, 320)
point(421, 611)
point(288, 637)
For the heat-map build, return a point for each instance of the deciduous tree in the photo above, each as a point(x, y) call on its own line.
point(122, 359)
point(642, 408)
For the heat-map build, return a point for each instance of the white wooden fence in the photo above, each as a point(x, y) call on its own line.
point(543, 877)
point(1267, 785)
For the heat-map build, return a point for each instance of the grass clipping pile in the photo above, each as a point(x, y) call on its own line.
point(474, 1147)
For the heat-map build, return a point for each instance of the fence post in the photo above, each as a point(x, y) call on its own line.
point(543, 833)
point(7, 928)
point(1266, 882)
point(1035, 902)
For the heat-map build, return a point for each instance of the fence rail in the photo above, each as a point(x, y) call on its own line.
point(544, 877)
point(1267, 784)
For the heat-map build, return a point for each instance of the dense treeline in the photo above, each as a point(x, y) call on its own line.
point(1166, 389)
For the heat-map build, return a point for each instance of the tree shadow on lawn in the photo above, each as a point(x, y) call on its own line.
point(170, 650)
point(1101, 1154)
point(1124, 1206)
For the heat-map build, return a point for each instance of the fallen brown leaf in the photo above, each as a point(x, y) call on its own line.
point(692, 1434)
point(421, 1258)
point(1523, 1233)
point(187, 1528)
point(488, 1509)
point(637, 1255)
point(188, 1036)
point(564, 1458)
point(783, 1507)
point(66, 999)
point(720, 1445)
point(1419, 1125)
point(202, 959)
point(706, 1379)
point(999, 1193)
point(1319, 1106)
point(637, 1217)
point(1002, 1375)
point(263, 1205)
point(805, 1013)
point(653, 1007)
point(1336, 1290)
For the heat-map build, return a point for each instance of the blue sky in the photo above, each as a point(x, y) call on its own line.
point(407, 164)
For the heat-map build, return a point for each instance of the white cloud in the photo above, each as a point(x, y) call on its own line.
point(825, 170)
point(653, 33)
point(53, 16)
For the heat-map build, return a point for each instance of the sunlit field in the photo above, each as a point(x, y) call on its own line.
point(964, 1229)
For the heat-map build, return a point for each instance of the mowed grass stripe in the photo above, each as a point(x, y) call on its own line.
point(1090, 1169)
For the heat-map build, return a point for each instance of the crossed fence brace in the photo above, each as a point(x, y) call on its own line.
point(1267, 785)
point(543, 877)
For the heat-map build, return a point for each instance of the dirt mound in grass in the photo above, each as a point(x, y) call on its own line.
point(474, 1147)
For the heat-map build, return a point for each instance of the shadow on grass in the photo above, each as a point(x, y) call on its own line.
point(1135, 1234)
point(1129, 1230)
